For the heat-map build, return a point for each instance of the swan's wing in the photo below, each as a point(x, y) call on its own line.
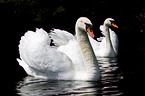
point(60, 37)
point(72, 50)
point(102, 31)
point(39, 58)
point(114, 40)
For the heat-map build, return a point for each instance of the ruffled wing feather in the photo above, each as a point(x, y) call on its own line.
point(60, 37)
point(37, 55)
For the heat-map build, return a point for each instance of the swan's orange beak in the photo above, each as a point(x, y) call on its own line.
point(90, 31)
point(113, 24)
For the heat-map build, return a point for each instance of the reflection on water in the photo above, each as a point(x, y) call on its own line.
point(37, 87)
point(109, 84)
point(111, 76)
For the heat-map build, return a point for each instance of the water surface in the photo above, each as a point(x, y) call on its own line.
point(109, 85)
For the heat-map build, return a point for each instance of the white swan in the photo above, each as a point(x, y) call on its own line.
point(68, 62)
point(108, 45)
point(100, 47)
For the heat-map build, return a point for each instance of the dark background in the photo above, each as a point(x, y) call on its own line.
point(18, 16)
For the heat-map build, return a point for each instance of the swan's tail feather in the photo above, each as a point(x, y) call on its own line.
point(60, 37)
point(30, 70)
point(25, 66)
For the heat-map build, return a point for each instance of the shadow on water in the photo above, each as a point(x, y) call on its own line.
point(109, 84)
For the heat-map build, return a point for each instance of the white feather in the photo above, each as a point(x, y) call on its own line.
point(36, 54)
point(62, 37)
point(100, 50)
point(65, 62)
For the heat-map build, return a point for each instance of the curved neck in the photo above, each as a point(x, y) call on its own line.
point(88, 55)
point(107, 36)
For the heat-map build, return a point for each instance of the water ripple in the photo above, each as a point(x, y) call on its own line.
point(109, 84)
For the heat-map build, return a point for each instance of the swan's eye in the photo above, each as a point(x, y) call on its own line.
point(89, 30)
point(88, 25)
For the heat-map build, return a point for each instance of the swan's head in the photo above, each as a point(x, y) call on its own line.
point(110, 22)
point(85, 24)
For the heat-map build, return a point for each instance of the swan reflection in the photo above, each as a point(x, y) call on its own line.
point(111, 76)
point(31, 86)
point(109, 84)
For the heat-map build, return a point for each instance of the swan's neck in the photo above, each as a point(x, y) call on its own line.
point(107, 36)
point(88, 55)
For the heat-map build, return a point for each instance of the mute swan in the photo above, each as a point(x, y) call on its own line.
point(108, 45)
point(105, 46)
point(41, 60)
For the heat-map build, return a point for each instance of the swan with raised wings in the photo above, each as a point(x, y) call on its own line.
point(106, 46)
point(67, 62)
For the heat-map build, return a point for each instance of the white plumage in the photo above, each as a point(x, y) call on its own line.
point(66, 62)
point(100, 47)
point(61, 37)
point(37, 56)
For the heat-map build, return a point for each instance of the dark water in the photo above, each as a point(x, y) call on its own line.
point(109, 85)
